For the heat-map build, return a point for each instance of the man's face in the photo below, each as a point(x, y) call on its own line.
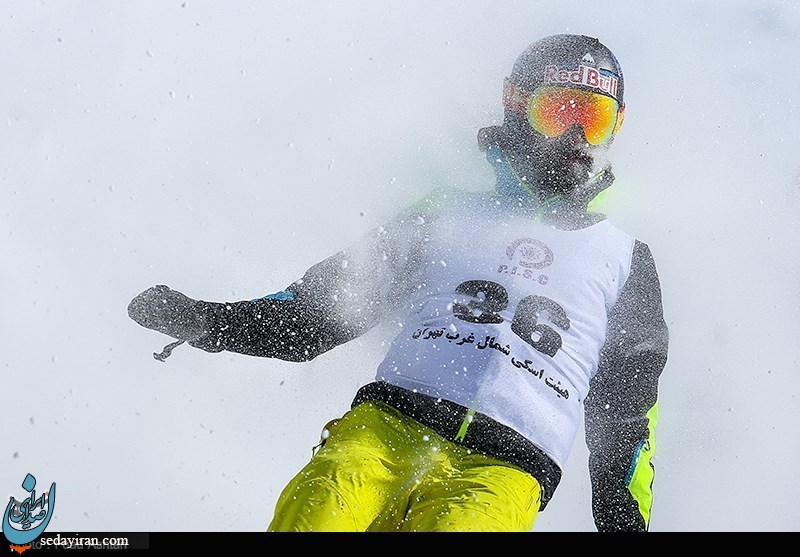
point(557, 164)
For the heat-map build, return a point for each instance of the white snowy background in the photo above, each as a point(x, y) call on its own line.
point(222, 148)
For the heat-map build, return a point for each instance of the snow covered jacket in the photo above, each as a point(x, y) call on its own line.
point(519, 318)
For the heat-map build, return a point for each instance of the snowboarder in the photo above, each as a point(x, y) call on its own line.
point(523, 309)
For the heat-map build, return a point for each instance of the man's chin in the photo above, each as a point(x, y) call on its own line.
point(555, 171)
point(565, 178)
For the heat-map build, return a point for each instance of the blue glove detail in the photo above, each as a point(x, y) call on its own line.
point(282, 295)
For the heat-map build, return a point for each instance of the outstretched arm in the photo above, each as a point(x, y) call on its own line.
point(621, 409)
point(336, 300)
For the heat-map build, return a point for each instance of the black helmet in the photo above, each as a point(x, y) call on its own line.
point(569, 60)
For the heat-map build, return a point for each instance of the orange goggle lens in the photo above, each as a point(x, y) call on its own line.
point(553, 110)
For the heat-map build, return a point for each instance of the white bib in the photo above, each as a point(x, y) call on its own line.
point(510, 318)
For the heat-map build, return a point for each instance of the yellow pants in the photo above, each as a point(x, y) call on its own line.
point(382, 471)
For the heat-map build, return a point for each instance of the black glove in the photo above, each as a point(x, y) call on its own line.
point(168, 311)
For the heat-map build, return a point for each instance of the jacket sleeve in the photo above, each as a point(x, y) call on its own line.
point(621, 409)
point(336, 300)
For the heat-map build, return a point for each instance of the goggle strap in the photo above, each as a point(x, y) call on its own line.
point(514, 98)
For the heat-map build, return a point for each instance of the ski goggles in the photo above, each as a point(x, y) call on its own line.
point(551, 110)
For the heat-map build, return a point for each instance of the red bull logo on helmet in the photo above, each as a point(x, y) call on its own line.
point(583, 75)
